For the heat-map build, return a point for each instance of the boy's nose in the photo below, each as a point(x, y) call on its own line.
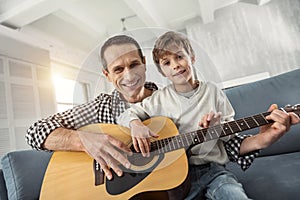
point(175, 65)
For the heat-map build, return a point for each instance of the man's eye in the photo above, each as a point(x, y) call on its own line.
point(134, 65)
point(118, 69)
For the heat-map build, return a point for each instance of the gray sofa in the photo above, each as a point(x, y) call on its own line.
point(275, 174)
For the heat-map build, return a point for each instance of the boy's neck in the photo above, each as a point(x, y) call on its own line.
point(191, 85)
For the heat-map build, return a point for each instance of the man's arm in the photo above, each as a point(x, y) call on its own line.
point(62, 139)
point(243, 149)
point(270, 133)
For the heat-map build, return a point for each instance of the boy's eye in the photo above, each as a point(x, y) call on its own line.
point(179, 56)
point(166, 63)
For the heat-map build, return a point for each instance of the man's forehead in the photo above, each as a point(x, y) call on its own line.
point(116, 51)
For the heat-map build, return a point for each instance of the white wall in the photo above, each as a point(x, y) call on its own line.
point(247, 39)
point(26, 91)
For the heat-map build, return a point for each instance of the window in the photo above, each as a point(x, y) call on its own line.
point(69, 93)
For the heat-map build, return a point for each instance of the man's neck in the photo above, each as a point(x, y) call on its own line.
point(139, 97)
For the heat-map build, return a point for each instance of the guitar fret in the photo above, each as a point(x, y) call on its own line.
point(223, 133)
point(243, 126)
point(191, 140)
point(177, 142)
point(227, 128)
point(196, 138)
point(186, 139)
point(255, 121)
point(156, 144)
point(238, 125)
point(251, 122)
point(169, 143)
point(209, 134)
point(264, 117)
point(246, 123)
point(218, 130)
point(234, 126)
point(161, 145)
point(165, 145)
point(172, 139)
point(261, 119)
point(203, 132)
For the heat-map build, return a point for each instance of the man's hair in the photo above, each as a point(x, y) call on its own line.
point(165, 41)
point(118, 40)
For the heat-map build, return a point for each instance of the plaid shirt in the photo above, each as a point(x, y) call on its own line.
point(105, 109)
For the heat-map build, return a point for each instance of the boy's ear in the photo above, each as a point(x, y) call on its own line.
point(106, 74)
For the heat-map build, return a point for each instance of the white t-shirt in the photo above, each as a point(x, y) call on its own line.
point(186, 112)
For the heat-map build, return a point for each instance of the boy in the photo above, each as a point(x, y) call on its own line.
point(185, 101)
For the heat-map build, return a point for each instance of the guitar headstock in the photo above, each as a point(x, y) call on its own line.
point(295, 109)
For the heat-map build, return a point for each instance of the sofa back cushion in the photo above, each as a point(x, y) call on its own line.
point(256, 97)
point(24, 172)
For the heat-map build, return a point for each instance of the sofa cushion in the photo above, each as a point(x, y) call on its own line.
point(3, 191)
point(256, 97)
point(271, 177)
point(24, 172)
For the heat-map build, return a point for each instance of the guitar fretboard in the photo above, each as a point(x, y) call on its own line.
point(202, 135)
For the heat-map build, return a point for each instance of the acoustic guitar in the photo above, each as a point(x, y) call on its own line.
point(75, 175)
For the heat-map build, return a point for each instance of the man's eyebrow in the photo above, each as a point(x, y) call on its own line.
point(116, 67)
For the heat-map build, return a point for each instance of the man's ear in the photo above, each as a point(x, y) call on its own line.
point(106, 74)
point(144, 60)
point(193, 59)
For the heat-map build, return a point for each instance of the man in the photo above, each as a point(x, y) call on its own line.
point(124, 65)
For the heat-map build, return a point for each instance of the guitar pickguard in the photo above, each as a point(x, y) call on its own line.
point(130, 178)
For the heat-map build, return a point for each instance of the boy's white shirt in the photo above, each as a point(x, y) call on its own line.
point(186, 114)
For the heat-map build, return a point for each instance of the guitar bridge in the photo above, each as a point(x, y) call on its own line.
point(98, 173)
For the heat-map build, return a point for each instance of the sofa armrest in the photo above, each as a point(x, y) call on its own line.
point(24, 172)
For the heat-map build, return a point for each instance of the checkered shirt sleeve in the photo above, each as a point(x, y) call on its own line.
point(71, 119)
point(233, 148)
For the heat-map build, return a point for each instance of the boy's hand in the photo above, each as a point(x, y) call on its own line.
point(210, 119)
point(141, 137)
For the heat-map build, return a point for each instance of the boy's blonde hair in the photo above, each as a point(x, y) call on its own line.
point(165, 41)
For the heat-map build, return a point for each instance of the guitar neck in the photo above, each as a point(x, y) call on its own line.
point(203, 135)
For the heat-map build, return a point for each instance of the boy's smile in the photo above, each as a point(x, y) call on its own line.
point(176, 65)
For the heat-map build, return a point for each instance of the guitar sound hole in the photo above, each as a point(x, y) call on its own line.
point(137, 158)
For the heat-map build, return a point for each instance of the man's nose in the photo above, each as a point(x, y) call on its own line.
point(128, 73)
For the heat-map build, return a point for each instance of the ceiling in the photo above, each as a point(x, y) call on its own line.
point(82, 24)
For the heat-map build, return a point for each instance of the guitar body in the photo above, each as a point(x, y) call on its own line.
point(70, 175)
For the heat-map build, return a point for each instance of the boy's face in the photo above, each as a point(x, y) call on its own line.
point(176, 65)
point(126, 69)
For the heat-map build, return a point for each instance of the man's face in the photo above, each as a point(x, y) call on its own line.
point(126, 69)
